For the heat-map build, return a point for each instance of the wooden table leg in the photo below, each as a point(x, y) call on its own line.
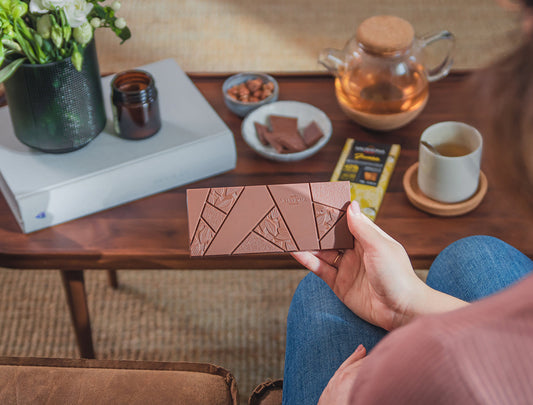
point(74, 285)
point(112, 278)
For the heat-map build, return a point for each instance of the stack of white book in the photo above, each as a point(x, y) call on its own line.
point(47, 189)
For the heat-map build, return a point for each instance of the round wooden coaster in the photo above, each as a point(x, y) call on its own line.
point(424, 203)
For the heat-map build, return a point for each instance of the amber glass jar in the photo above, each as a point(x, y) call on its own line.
point(135, 105)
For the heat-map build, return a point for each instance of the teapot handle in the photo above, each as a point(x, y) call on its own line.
point(444, 67)
point(332, 59)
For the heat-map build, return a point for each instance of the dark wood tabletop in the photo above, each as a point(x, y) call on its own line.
point(152, 232)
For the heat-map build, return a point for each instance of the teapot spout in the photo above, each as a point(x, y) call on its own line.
point(332, 59)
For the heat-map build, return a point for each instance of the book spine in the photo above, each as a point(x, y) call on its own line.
point(120, 185)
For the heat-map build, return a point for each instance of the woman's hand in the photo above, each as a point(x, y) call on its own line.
point(339, 388)
point(375, 279)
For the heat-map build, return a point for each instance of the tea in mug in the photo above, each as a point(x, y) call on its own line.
point(451, 149)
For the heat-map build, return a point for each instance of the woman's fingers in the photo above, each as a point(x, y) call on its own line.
point(318, 264)
point(368, 234)
point(357, 355)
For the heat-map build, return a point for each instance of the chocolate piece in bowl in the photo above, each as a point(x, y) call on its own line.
point(280, 123)
point(261, 129)
point(273, 140)
point(291, 141)
point(312, 134)
point(268, 219)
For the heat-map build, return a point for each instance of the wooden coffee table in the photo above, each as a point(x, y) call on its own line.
point(151, 233)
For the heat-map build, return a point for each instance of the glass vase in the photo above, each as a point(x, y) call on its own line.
point(53, 107)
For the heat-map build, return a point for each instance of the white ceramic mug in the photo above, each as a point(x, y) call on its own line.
point(450, 174)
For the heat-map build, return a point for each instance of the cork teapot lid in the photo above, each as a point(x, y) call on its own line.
point(385, 34)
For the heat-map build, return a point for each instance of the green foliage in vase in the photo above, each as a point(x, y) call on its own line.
point(45, 31)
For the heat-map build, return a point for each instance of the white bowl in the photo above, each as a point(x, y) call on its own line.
point(306, 113)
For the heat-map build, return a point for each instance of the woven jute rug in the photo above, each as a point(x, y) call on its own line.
point(232, 318)
point(281, 35)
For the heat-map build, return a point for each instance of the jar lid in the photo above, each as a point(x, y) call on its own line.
point(385, 34)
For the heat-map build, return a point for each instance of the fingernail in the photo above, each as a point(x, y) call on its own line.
point(354, 207)
point(360, 348)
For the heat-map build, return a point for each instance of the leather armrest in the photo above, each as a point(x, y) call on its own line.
point(82, 381)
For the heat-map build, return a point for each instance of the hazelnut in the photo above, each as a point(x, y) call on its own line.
point(254, 84)
point(243, 91)
point(268, 86)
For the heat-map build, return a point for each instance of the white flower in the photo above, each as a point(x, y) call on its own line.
point(83, 34)
point(43, 6)
point(44, 26)
point(116, 5)
point(95, 22)
point(76, 12)
point(120, 23)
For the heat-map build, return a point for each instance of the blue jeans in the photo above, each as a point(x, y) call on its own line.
point(322, 332)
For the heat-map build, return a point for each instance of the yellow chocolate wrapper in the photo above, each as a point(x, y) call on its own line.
point(368, 167)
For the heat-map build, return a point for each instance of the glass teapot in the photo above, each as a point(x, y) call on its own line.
point(381, 80)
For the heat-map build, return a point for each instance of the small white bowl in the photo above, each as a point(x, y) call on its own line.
point(306, 113)
point(243, 108)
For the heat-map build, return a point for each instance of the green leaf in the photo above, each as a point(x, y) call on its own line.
point(6, 72)
point(99, 11)
point(25, 45)
point(8, 43)
point(124, 33)
point(77, 58)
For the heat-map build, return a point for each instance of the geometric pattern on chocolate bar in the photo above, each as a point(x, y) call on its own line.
point(326, 218)
point(339, 235)
point(252, 205)
point(224, 198)
point(273, 218)
point(296, 208)
point(254, 243)
point(202, 238)
point(325, 193)
point(274, 229)
point(213, 216)
point(195, 202)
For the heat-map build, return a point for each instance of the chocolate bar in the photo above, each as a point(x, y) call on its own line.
point(268, 219)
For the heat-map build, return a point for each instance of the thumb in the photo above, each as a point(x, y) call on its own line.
point(368, 234)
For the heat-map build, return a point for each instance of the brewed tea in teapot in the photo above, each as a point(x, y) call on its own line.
point(381, 81)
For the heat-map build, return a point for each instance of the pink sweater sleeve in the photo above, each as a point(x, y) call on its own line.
point(482, 353)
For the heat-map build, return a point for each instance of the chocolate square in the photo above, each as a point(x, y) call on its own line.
point(261, 129)
point(268, 219)
point(312, 134)
point(273, 140)
point(291, 141)
point(280, 123)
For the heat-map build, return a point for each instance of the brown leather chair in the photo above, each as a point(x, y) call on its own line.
point(80, 381)
point(267, 393)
